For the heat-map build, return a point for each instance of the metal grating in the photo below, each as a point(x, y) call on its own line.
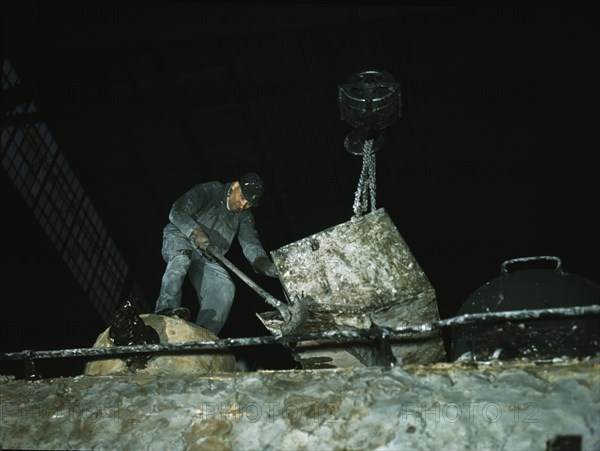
point(43, 177)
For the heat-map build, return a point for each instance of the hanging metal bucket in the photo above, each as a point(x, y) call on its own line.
point(352, 276)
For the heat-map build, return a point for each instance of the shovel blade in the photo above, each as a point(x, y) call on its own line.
point(275, 323)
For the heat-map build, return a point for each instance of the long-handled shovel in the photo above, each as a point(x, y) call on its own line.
point(294, 314)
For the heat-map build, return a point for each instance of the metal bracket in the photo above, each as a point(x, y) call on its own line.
point(31, 372)
point(383, 350)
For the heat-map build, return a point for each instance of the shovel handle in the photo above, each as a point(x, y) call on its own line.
point(261, 292)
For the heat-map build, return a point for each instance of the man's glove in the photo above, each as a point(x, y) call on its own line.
point(264, 266)
point(200, 238)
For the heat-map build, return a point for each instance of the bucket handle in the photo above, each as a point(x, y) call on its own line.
point(529, 259)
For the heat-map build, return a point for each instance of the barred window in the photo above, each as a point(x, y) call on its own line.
point(42, 175)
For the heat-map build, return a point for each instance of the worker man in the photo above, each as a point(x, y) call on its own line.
point(209, 216)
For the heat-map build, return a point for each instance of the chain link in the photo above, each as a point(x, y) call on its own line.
point(366, 182)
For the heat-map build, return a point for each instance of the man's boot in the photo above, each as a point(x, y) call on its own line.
point(178, 312)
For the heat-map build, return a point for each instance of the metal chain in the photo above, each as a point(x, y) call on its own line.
point(366, 182)
point(370, 155)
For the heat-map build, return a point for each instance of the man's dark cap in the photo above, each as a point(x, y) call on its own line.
point(252, 187)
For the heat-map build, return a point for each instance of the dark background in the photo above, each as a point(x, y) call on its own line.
point(494, 156)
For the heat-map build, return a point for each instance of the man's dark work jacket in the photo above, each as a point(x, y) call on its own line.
point(205, 205)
